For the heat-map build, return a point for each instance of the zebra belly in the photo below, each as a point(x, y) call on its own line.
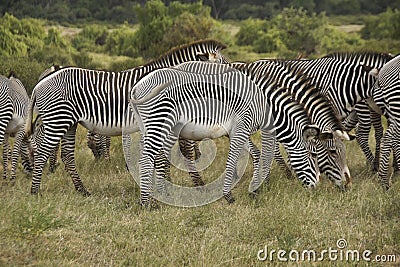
point(15, 124)
point(109, 130)
point(195, 131)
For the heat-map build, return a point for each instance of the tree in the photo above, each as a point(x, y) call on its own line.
point(162, 27)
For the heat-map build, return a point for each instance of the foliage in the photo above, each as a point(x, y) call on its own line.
point(19, 36)
point(91, 38)
point(162, 27)
point(121, 41)
point(26, 69)
point(120, 11)
point(385, 25)
point(294, 32)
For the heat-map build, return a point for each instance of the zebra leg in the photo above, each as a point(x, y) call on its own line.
point(282, 162)
point(6, 155)
point(376, 121)
point(105, 146)
point(237, 142)
point(386, 147)
point(41, 155)
point(255, 155)
point(68, 157)
point(27, 155)
point(93, 144)
point(17, 150)
point(268, 143)
point(53, 159)
point(162, 164)
point(396, 156)
point(146, 164)
point(362, 134)
point(188, 149)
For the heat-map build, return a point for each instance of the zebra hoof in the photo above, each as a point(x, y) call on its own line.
point(385, 186)
point(83, 191)
point(149, 204)
point(199, 183)
point(229, 198)
point(253, 194)
point(35, 191)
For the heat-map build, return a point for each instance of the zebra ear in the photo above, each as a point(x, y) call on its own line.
point(374, 72)
point(310, 132)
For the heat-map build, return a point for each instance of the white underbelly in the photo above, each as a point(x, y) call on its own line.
point(194, 131)
point(108, 130)
point(15, 124)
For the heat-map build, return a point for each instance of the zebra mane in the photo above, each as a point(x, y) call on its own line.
point(51, 70)
point(366, 56)
point(12, 75)
point(207, 43)
point(308, 91)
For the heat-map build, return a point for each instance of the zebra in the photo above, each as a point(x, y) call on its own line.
point(365, 116)
point(97, 100)
point(99, 144)
point(330, 149)
point(14, 101)
point(174, 101)
point(343, 84)
point(388, 86)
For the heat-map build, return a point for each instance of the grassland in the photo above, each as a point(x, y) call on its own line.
point(62, 228)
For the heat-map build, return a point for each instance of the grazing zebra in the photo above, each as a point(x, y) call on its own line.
point(14, 103)
point(388, 86)
point(174, 101)
point(285, 109)
point(330, 150)
point(98, 100)
point(365, 116)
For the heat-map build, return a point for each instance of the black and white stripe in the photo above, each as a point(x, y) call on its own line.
point(97, 100)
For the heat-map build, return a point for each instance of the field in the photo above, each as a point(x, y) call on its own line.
point(62, 228)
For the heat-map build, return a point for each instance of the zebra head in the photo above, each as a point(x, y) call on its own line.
point(331, 158)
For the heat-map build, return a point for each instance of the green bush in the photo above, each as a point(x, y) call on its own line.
point(162, 27)
point(26, 69)
point(17, 37)
point(121, 42)
point(250, 30)
point(384, 26)
point(91, 38)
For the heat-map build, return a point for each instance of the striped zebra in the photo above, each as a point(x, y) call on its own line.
point(265, 80)
point(99, 144)
point(97, 100)
point(174, 102)
point(14, 103)
point(388, 86)
point(365, 116)
point(330, 149)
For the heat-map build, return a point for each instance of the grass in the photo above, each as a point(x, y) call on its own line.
point(62, 228)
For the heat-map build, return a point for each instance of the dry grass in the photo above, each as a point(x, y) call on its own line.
point(62, 228)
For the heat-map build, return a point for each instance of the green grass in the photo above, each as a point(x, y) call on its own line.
point(62, 228)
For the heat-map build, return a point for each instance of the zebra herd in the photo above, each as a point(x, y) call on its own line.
point(193, 92)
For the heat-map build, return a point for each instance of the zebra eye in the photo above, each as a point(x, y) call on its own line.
point(313, 154)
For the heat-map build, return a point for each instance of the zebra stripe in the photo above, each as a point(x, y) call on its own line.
point(97, 100)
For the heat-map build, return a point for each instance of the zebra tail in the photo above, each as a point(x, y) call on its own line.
point(28, 122)
point(150, 95)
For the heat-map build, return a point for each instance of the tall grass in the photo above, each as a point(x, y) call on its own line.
point(60, 227)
